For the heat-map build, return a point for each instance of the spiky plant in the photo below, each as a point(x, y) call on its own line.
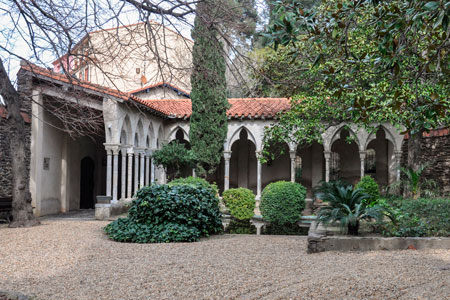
point(347, 207)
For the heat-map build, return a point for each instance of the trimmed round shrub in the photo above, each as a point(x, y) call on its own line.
point(169, 213)
point(195, 181)
point(240, 202)
point(282, 202)
point(369, 186)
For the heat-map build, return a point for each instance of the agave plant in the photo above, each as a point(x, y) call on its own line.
point(346, 206)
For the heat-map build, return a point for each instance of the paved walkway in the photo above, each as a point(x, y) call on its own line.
point(72, 259)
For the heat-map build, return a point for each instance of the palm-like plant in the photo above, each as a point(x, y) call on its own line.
point(413, 180)
point(346, 206)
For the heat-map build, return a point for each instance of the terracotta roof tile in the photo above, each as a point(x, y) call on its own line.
point(240, 107)
point(175, 108)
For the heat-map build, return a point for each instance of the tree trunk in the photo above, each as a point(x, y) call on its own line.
point(22, 211)
point(414, 151)
point(353, 229)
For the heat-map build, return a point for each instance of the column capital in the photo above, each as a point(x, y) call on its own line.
point(292, 154)
point(112, 148)
point(398, 153)
point(148, 152)
point(130, 151)
point(258, 154)
point(362, 155)
point(327, 155)
point(227, 155)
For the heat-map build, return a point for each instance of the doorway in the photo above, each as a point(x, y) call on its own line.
point(87, 183)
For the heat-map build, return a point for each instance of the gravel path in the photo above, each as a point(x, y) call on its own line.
point(69, 259)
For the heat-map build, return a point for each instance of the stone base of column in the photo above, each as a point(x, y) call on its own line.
point(257, 203)
point(102, 211)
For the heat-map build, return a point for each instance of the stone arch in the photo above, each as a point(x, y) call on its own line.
point(236, 136)
point(174, 131)
point(336, 135)
point(388, 135)
point(140, 133)
point(349, 157)
point(160, 137)
point(126, 132)
point(150, 135)
point(243, 162)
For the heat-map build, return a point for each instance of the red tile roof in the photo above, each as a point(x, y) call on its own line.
point(240, 107)
point(176, 108)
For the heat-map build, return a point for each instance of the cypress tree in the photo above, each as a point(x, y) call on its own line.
point(208, 95)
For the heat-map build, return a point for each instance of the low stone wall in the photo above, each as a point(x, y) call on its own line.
point(319, 243)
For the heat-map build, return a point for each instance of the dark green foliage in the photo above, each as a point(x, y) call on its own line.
point(285, 229)
point(208, 123)
point(240, 202)
point(346, 206)
point(196, 181)
point(282, 202)
point(240, 227)
point(369, 186)
point(420, 217)
point(168, 213)
point(174, 156)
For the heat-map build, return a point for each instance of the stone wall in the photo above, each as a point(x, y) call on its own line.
point(5, 158)
point(436, 152)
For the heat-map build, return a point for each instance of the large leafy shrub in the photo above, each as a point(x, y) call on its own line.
point(174, 156)
point(168, 213)
point(346, 206)
point(282, 202)
point(369, 186)
point(420, 217)
point(196, 181)
point(240, 202)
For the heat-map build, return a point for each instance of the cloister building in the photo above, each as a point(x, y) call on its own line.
point(67, 174)
point(139, 115)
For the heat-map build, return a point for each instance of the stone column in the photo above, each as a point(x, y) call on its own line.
point(108, 170)
point(152, 171)
point(136, 170)
point(130, 173)
point(115, 152)
point(258, 175)
point(327, 155)
point(123, 178)
point(226, 177)
point(292, 155)
point(147, 167)
point(362, 157)
point(193, 173)
point(398, 161)
point(142, 169)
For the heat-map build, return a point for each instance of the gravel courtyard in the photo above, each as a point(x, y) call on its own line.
point(73, 259)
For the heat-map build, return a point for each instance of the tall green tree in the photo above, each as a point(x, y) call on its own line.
point(371, 61)
point(209, 102)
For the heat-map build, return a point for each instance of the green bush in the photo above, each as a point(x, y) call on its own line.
point(285, 229)
point(169, 213)
point(240, 202)
point(420, 217)
point(369, 186)
point(241, 227)
point(196, 181)
point(282, 202)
